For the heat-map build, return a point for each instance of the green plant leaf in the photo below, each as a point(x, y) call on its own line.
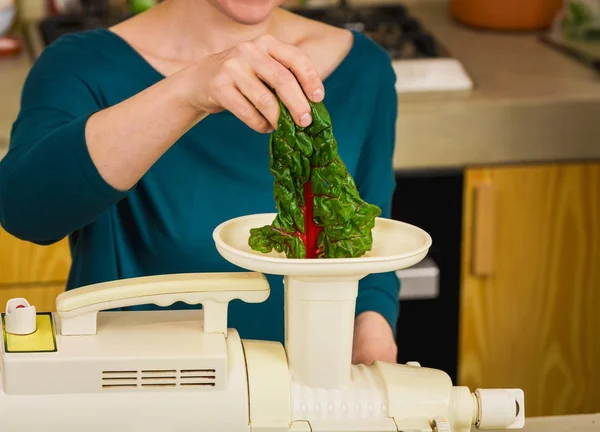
point(320, 213)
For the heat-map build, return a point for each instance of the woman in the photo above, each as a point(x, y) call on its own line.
point(137, 141)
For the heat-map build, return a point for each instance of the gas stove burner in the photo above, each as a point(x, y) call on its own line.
point(54, 27)
point(390, 26)
point(402, 43)
point(342, 16)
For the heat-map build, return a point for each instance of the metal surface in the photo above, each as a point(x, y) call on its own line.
point(420, 282)
point(392, 26)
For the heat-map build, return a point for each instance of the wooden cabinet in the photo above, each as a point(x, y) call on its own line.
point(42, 295)
point(530, 300)
point(25, 262)
point(38, 273)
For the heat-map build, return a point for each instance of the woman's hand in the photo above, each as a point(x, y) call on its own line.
point(126, 139)
point(238, 80)
point(373, 340)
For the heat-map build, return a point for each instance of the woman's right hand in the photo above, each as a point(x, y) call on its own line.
point(238, 80)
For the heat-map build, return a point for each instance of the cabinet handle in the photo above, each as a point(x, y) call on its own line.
point(482, 262)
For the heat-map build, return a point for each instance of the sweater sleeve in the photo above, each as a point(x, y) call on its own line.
point(376, 183)
point(49, 185)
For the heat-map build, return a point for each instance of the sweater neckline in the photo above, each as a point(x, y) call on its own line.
point(328, 82)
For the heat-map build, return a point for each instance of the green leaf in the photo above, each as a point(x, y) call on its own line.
point(342, 220)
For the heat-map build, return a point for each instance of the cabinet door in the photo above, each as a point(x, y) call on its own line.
point(42, 296)
point(24, 262)
point(530, 301)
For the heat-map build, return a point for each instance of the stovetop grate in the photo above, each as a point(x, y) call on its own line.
point(391, 26)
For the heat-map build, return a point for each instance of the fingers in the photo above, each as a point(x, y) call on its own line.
point(259, 95)
point(242, 76)
point(234, 101)
point(286, 86)
point(299, 63)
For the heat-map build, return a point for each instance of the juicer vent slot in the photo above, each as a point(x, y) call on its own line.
point(159, 384)
point(118, 385)
point(158, 378)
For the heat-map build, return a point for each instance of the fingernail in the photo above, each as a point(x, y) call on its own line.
point(317, 95)
point(305, 119)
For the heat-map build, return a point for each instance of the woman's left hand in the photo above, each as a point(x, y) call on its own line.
point(373, 340)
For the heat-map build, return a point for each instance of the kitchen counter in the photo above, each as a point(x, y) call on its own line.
point(574, 423)
point(530, 103)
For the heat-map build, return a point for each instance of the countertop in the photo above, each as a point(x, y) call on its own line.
point(574, 423)
point(530, 103)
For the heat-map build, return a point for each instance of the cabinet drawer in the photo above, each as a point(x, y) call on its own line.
point(24, 262)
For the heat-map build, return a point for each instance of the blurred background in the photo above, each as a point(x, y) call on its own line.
point(497, 157)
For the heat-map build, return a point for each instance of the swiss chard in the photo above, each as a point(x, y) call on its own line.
point(320, 212)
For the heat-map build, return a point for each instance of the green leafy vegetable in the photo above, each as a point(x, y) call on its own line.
point(580, 20)
point(320, 212)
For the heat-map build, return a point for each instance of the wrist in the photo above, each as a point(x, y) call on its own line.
point(187, 86)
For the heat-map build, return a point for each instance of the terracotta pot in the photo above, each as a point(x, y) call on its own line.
point(506, 14)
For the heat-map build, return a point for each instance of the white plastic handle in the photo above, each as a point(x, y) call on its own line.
point(78, 308)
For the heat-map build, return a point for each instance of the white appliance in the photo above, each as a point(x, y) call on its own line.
point(84, 368)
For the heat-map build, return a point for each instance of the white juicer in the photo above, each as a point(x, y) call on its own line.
point(84, 368)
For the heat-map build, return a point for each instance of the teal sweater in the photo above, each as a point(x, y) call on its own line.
point(50, 188)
